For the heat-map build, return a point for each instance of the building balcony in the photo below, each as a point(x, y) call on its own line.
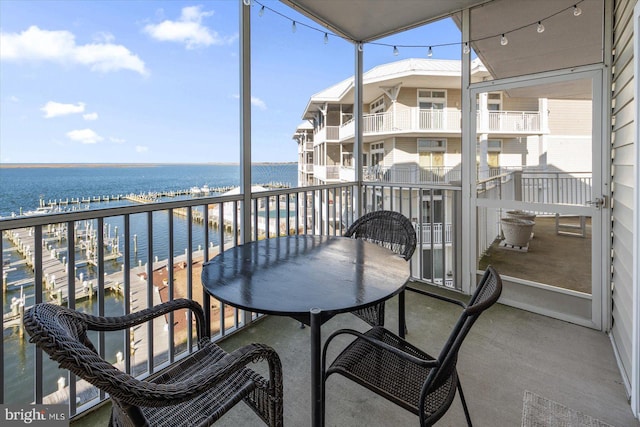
point(414, 120)
point(327, 173)
point(510, 350)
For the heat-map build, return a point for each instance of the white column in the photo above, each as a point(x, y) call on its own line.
point(483, 166)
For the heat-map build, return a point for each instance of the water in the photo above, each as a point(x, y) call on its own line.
point(21, 189)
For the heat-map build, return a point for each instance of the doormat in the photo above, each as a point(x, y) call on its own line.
point(540, 412)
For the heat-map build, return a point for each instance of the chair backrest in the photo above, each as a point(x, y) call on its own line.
point(62, 334)
point(486, 294)
point(386, 228)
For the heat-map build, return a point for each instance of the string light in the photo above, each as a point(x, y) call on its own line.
point(540, 28)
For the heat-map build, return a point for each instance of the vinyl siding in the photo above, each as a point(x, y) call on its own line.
point(570, 117)
point(623, 183)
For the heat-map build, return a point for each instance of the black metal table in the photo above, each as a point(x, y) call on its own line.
point(309, 278)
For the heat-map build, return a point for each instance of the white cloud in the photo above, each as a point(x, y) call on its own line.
point(90, 116)
point(104, 37)
point(55, 109)
point(38, 45)
point(117, 140)
point(14, 98)
point(255, 101)
point(141, 149)
point(84, 136)
point(188, 29)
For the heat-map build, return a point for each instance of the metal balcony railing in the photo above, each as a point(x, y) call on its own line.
point(117, 260)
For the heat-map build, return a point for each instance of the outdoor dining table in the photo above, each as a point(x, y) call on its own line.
point(309, 278)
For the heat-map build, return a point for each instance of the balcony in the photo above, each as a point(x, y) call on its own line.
point(508, 351)
point(413, 120)
point(498, 348)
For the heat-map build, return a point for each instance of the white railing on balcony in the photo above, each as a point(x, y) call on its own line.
point(438, 232)
point(326, 133)
point(327, 173)
point(510, 122)
point(449, 120)
point(305, 167)
point(412, 174)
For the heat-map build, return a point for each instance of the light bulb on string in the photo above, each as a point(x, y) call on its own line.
point(261, 12)
point(396, 52)
point(503, 40)
point(540, 28)
point(466, 49)
point(326, 38)
point(293, 27)
point(576, 10)
point(430, 52)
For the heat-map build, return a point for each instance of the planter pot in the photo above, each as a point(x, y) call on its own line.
point(521, 215)
point(517, 232)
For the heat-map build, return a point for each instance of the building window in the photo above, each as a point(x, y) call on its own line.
point(432, 99)
point(431, 152)
point(494, 148)
point(377, 154)
point(377, 106)
point(494, 101)
point(432, 104)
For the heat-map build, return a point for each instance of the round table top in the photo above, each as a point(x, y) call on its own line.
point(294, 274)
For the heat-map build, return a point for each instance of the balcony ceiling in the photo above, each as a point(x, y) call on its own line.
point(568, 40)
point(368, 20)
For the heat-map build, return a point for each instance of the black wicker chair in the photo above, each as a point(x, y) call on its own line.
point(404, 374)
point(389, 229)
point(195, 391)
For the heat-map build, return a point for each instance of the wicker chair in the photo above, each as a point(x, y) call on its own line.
point(403, 373)
point(391, 230)
point(195, 391)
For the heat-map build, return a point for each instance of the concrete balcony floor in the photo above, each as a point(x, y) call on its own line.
point(507, 352)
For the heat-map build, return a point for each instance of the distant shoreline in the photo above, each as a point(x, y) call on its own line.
point(124, 165)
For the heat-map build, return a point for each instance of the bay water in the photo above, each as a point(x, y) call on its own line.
point(23, 188)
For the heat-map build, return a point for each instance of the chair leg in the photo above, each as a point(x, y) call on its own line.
point(464, 404)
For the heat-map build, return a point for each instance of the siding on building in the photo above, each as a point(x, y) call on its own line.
point(519, 104)
point(623, 183)
point(578, 122)
point(405, 151)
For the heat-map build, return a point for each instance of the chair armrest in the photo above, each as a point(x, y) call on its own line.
point(146, 393)
point(99, 323)
point(437, 296)
point(376, 342)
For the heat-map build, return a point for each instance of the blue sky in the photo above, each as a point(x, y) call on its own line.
point(157, 81)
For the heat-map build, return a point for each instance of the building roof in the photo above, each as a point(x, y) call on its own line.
point(390, 73)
